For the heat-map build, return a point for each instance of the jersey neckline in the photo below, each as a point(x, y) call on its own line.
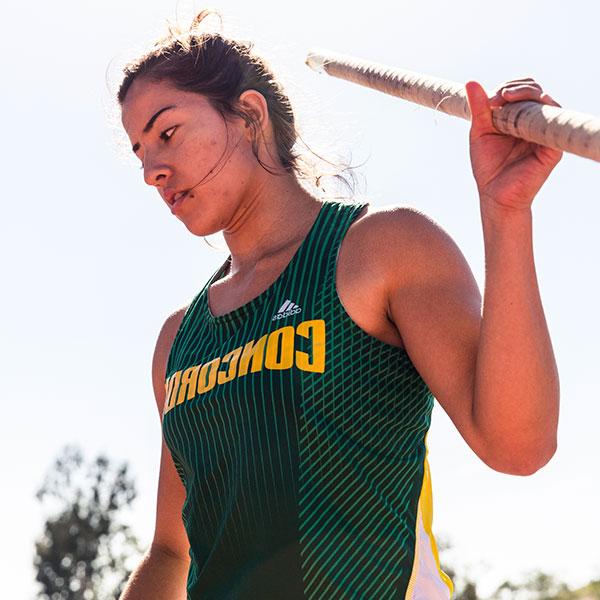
point(238, 315)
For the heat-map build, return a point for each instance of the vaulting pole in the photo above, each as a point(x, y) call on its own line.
point(567, 130)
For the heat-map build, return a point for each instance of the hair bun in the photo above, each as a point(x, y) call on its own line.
point(202, 15)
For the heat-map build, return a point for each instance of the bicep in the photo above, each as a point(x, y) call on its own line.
point(436, 307)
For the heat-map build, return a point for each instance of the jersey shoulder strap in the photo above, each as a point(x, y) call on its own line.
point(312, 270)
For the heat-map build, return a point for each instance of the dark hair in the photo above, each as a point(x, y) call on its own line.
point(221, 69)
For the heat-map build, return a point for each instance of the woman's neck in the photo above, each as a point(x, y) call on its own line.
point(275, 216)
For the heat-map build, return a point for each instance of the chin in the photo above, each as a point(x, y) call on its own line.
point(199, 228)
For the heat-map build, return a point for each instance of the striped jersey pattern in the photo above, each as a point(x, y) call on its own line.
point(301, 442)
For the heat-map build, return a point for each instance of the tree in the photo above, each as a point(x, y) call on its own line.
point(464, 587)
point(546, 587)
point(506, 590)
point(589, 592)
point(468, 591)
point(85, 550)
point(536, 585)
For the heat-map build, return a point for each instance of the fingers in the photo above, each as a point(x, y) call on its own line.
point(526, 81)
point(518, 90)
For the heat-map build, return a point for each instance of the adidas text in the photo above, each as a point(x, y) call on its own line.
point(287, 309)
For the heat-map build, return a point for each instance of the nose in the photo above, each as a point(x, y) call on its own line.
point(155, 173)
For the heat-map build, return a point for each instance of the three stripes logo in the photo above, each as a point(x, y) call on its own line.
point(287, 309)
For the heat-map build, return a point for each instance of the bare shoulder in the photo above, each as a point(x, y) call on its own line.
point(396, 235)
point(162, 349)
point(388, 250)
point(400, 245)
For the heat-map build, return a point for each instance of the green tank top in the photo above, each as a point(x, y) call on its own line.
point(301, 442)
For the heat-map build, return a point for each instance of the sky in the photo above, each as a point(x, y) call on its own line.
point(92, 261)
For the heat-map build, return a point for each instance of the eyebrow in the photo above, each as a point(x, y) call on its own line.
point(150, 124)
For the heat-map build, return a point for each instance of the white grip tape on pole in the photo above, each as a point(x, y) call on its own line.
point(567, 130)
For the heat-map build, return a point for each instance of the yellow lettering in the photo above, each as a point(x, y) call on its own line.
point(168, 388)
point(315, 330)
point(232, 358)
point(188, 384)
point(280, 349)
point(252, 351)
point(172, 385)
point(275, 350)
point(208, 376)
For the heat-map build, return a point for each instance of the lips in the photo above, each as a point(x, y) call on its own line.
point(179, 196)
point(177, 200)
point(173, 197)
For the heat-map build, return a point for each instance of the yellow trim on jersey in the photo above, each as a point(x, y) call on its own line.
point(425, 512)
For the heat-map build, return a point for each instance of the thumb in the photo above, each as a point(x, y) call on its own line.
point(481, 111)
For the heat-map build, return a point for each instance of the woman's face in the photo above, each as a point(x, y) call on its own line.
point(202, 166)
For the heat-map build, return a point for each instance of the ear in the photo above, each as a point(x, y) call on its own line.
point(254, 103)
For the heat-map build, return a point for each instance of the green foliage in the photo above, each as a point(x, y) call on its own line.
point(85, 550)
point(536, 585)
point(468, 592)
point(591, 591)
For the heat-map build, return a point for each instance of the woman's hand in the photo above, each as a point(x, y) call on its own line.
point(509, 171)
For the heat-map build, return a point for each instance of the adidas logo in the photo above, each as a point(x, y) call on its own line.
point(287, 309)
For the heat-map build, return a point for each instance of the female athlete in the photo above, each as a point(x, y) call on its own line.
point(295, 390)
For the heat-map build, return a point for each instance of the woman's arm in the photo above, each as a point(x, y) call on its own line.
point(516, 394)
point(493, 373)
point(515, 344)
point(162, 572)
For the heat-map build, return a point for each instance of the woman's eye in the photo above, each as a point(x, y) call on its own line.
point(165, 136)
point(167, 133)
